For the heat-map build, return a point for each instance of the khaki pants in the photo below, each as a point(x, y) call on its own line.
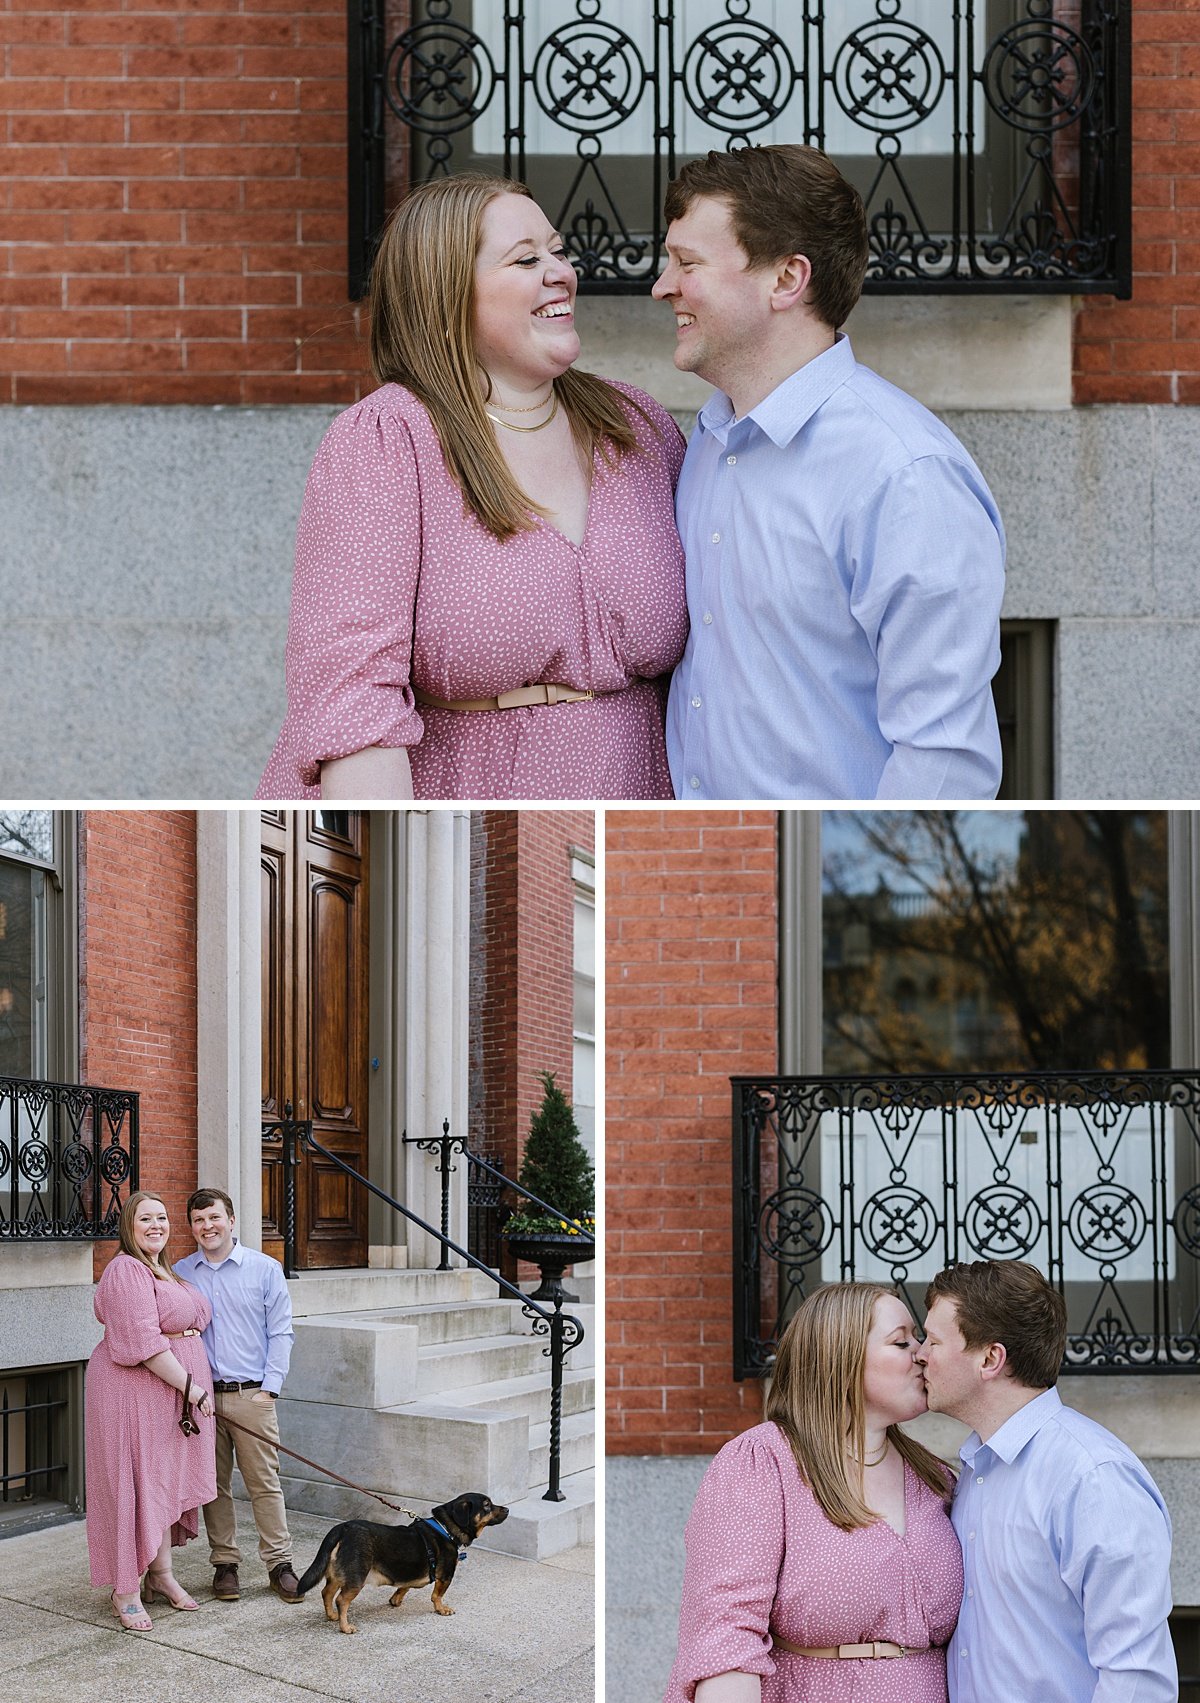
point(259, 1466)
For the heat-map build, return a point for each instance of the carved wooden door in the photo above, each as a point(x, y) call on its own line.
point(314, 1016)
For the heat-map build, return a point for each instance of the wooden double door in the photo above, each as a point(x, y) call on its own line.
point(315, 899)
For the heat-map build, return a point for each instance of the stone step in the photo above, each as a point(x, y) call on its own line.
point(446, 1367)
point(536, 1529)
point(577, 1447)
point(315, 1293)
point(454, 1322)
point(531, 1395)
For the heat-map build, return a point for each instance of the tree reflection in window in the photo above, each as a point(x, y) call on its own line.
point(995, 940)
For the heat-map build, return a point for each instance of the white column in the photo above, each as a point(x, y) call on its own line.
point(228, 1014)
point(431, 1009)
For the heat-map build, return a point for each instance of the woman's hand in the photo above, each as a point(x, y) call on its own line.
point(378, 772)
point(202, 1402)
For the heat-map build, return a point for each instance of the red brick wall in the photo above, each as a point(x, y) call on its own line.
point(137, 990)
point(173, 203)
point(528, 934)
point(691, 970)
point(1148, 349)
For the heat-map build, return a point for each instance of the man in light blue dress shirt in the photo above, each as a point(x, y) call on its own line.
point(249, 1346)
point(1066, 1540)
point(845, 559)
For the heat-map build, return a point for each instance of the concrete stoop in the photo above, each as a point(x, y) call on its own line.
point(422, 1384)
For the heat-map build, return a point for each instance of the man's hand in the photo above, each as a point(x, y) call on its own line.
point(262, 1395)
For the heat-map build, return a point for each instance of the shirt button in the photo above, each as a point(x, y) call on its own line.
point(970, 1592)
point(707, 618)
point(694, 781)
point(731, 461)
point(970, 1537)
point(696, 703)
point(979, 1480)
point(716, 537)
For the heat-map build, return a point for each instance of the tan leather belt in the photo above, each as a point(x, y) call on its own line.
point(849, 1652)
point(517, 699)
point(174, 1335)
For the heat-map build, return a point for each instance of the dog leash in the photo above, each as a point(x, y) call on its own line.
point(324, 1470)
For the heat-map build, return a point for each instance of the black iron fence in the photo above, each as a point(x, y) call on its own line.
point(1093, 1177)
point(33, 1463)
point(563, 1331)
point(68, 1160)
point(990, 138)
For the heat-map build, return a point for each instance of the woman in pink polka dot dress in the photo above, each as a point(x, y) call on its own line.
point(785, 1568)
point(488, 596)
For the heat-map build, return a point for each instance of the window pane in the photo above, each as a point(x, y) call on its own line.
point(995, 940)
point(21, 986)
point(27, 834)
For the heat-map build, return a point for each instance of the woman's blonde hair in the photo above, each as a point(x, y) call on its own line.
point(125, 1234)
point(816, 1398)
point(422, 305)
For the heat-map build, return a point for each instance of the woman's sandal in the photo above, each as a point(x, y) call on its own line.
point(134, 1618)
point(151, 1590)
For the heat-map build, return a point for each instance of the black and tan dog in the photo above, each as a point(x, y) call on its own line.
point(360, 1552)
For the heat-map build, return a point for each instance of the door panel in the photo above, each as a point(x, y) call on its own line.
point(315, 924)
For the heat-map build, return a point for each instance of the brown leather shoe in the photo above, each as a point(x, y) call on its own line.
point(285, 1583)
point(225, 1583)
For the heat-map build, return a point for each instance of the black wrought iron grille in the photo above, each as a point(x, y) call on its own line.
point(990, 138)
point(68, 1160)
point(1092, 1177)
point(33, 1464)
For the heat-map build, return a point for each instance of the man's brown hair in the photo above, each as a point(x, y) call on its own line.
point(209, 1197)
point(788, 199)
point(1010, 1302)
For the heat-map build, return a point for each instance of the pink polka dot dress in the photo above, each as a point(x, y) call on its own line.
point(763, 1559)
point(143, 1474)
point(398, 586)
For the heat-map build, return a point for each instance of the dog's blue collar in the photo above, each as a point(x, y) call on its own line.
point(439, 1527)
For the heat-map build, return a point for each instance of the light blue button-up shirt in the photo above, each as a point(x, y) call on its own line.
point(845, 569)
point(1066, 1558)
point(250, 1336)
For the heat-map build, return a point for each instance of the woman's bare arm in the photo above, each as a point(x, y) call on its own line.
point(378, 772)
point(730, 1688)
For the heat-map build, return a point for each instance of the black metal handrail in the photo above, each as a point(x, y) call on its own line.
point(563, 1329)
point(1093, 1176)
point(68, 1158)
point(446, 1145)
point(989, 159)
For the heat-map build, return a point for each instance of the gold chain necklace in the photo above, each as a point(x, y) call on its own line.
point(541, 425)
point(510, 408)
point(879, 1456)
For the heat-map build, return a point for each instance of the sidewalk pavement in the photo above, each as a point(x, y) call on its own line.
point(522, 1632)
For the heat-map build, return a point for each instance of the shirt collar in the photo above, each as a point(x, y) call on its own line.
point(234, 1254)
point(791, 404)
point(1016, 1431)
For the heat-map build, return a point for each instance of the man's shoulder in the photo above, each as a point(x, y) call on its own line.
point(891, 417)
point(189, 1263)
point(1075, 1443)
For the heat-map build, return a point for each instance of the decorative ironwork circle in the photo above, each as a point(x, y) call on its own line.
point(442, 77)
point(1039, 75)
point(114, 1165)
point(794, 1226)
point(4, 1162)
point(888, 75)
point(34, 1161)
point(1002, 1223)
point(588, 76)
point(1185, 1222)
point(899, 1224)
point(76, 1163)
point(738, 75)
point(1106, 1222)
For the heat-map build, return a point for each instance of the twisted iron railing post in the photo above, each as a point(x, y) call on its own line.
point(291, 1159)
point(554, 1493)
point(444, 1168)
